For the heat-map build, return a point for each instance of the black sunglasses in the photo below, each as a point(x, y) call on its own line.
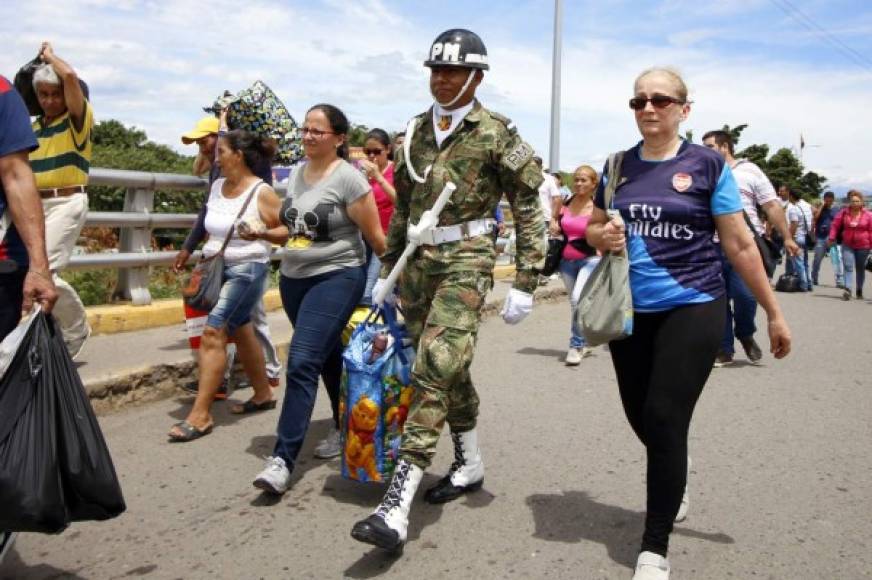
point(659, 102)
point(373, 151)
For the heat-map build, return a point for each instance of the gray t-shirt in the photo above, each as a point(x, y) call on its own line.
point(323, 237)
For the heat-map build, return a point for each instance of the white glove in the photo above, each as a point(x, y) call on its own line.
point(391, 297)
point(517, 306)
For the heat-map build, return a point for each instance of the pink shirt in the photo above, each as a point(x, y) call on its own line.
point(575, 227)
point(856, 231)
point(382, 199)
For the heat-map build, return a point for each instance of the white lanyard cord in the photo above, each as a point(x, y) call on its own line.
point(410, 131)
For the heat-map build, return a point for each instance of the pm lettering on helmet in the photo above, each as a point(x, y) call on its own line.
point(450, 51)
point(518, 157)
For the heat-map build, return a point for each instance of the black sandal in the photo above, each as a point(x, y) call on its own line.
point(189, 432)
point(250, 406)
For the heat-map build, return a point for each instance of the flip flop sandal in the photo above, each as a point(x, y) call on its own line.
point(250, 406)
point(189, 432)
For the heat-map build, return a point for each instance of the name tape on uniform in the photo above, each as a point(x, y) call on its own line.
point(518, 157)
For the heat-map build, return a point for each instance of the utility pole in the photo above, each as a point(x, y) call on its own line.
point(554, 146)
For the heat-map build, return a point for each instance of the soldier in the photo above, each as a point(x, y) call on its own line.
point(445, 282)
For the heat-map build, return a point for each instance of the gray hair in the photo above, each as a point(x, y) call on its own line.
point(45, 74)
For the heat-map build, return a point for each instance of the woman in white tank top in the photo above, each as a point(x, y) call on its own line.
point(246, 265)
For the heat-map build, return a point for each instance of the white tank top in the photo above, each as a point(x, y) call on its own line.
point(221, 214)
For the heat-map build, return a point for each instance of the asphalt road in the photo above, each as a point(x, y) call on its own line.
point(781, 484)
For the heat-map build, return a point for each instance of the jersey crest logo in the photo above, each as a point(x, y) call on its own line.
point(444, 122)
point(681, 182)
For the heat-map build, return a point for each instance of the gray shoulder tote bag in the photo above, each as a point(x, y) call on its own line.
point(605, 310)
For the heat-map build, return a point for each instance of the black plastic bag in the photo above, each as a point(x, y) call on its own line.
point(55, 467)
point(24, 85)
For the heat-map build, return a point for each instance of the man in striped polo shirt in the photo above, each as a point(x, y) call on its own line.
point(61, 165)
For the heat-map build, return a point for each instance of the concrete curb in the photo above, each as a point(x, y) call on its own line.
point(154, 382)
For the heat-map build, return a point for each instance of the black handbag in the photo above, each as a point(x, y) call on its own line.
point(553, 256)
point(788, 283)
point(768, 250)
point(204, 286)
point(24, 85)
point(869, 263)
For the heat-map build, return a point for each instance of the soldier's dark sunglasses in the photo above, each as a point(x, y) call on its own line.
point(659, 102)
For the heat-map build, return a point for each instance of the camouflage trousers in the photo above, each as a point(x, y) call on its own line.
point(442, 313)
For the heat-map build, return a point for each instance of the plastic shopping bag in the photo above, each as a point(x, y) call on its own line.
point(375, 396)
point(55, 467)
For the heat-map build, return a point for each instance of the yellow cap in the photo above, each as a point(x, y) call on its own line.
point(205, 126)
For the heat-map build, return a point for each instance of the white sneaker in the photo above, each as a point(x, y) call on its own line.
point(573, 357)
point(6, 541)
point(685, 499)
point(330, 446)
point(651, 566)
point(275, 477)
point(586, 351)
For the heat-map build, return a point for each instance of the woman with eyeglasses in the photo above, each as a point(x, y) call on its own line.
point(328, 206)
point(671, 198)
point(379, 170)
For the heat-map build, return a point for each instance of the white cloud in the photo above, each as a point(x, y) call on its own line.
point(155, 64)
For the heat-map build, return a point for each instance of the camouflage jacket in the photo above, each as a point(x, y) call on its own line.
point(485, 158)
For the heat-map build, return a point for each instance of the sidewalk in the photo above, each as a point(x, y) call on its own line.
point(135, 367)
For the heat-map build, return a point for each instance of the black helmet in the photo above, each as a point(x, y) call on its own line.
point(458, 47)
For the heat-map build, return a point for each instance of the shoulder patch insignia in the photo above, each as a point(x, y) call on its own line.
point(518, 157)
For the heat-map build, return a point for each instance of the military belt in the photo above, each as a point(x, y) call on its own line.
point(457, 232)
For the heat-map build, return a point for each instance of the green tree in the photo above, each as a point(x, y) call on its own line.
point(120, 147)
point(357, 135)
point(782, 168)
point(735, 132)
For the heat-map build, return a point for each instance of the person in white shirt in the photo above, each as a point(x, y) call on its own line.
point(755, 189)
point(800, 215)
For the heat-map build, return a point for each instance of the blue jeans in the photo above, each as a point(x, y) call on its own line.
point(743, 310)
point(799, 266)
point(820, 250)
point(854, 260)
point(318, 308)
point(372, 269)
point(242, 289)
point(575, 273)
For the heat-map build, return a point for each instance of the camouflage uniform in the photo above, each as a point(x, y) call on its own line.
point(443, 287)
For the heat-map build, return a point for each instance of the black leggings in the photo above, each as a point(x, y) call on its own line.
point(661, 371)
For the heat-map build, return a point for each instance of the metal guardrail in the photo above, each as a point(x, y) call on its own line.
point(137, 222)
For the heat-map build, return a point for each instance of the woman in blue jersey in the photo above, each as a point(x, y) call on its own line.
point(672, 197)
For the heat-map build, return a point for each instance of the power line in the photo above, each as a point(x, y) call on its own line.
point(807, 22)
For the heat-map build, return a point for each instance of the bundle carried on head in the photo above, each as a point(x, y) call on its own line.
point(259, 110)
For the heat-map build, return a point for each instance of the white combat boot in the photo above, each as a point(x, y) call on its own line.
point(388, 525)
point(466, 473)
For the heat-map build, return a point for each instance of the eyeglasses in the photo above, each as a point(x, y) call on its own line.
point(659, 102)
point(316, 133)
point(375, 151)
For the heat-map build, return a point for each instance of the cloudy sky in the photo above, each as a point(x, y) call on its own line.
point(785, 67)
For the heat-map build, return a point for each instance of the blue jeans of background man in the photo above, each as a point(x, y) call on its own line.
point(318, 308)
point(575, 273)
point(799, 265)
point(820, 250)
point(855, 261)
point(743, 310)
